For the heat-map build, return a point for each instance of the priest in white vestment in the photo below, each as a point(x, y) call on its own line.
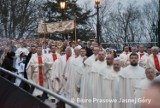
point(88, 62)
point(52, 76)
point(144, 59)
point(141, 52)
point(94, 82)
point(107, 77)
point(36, 71)
point(143, 85)
point(63, 68)
point(124, 56)
point(73, 80)
point(129, 77)
point(154, 60)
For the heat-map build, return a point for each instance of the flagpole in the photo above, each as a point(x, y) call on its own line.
point(45, 30)
point(38, 32)
point(75, 31)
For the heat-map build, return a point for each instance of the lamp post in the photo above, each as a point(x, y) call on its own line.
point(62, 7)
point(97, 2)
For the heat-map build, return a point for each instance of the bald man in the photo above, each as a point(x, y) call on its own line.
point(154, 59)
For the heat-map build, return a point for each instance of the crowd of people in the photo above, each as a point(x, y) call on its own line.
point(84, 72)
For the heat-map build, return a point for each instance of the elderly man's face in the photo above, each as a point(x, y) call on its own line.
point(150, 74)
point(68, 52)
point(116, 66)
point(141, 48)
point(155, 52)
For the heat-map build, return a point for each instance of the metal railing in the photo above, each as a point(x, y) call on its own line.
point(65, 100)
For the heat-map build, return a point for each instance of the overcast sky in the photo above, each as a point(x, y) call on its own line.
point(140, 2)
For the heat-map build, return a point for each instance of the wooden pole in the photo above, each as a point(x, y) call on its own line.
point(75, 29)
point(45, 30)
point(38, 32)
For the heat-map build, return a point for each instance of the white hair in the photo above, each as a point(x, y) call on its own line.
point(155, 48)
point(68, 47)
point(117, 59)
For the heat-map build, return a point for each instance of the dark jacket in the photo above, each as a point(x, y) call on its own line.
point(26, 63)
point(8, 62)
point(89, 52)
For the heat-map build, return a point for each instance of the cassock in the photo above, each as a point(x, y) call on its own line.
point(129, 77)
point(36, 72)
point(72, 81)
point(140, 55)
point(154, 62)
point(94, 84)
point(52, 59)
point(64, 64)
point(124, 58)
point(84, 76)
point(139, 90)
point(90, 60)
point(144, 60)
point(107, 76)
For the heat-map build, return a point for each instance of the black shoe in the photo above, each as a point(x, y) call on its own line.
point(39, 97)
point(53, 100)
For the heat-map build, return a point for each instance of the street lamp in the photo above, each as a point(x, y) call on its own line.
point(97, 2)
point(62, 4)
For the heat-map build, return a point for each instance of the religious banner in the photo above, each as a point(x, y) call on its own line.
point(56, 27)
